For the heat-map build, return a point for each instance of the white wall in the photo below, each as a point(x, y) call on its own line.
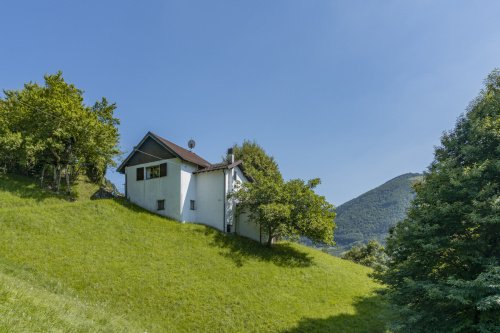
point(208, 189)
point(210, 198)
point(243, 226)
point(188, 193)
point(248, 229)
point(145, 193)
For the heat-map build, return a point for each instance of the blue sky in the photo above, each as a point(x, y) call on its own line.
point(353, 92)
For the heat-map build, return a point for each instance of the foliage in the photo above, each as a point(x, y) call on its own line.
point(372, 214)
point(371, 255)
point(257, 163)
point(287, 209)
point(49, 129)
point(444, 262)
point(282, 209)
point(108, 266)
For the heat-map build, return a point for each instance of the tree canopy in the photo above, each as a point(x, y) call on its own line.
point(286, 209)
point(49, 129)
point(257, 162)
point(444, 267)
point(371, 255)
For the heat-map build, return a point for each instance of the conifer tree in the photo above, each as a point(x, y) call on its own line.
point(444, 269)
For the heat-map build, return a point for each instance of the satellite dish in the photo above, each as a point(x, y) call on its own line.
point(191, 144)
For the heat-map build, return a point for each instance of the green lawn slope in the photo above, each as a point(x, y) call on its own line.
point(108, 266)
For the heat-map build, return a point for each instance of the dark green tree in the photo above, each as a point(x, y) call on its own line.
point(444, 269)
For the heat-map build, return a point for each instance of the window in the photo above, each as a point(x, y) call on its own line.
point(153, 172)
point(140, 174)
point(156, 171)
point(160, 205)
point(192, 205)
point(234, 175)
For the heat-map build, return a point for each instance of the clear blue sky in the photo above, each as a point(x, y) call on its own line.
point(353, 92)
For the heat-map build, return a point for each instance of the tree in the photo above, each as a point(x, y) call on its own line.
point(287, 209)
point(444, 268)
point(371, 255)
point(49, 128)
point(257, 163)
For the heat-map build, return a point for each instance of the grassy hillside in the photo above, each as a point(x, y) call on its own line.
point(107, 266)
point(370, 215)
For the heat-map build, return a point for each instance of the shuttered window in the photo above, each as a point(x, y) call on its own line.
point(140, 174)
point(163, 170)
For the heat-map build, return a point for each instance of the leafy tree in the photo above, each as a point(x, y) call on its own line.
point(371, 254)
point(287, 209)
point(444, 269)
point(49, 128)
point(257, 163)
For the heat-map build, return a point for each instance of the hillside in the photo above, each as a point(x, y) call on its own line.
point(370, 215)
point(107, 266)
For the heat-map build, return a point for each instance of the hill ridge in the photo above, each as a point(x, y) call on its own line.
point(371, 214)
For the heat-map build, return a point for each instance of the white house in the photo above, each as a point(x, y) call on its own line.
point(169, 180)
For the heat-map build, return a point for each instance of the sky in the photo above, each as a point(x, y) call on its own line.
point(352, 92)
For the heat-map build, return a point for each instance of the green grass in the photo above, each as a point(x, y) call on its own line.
point(109, 266)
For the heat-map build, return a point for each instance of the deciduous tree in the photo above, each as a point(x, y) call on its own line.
point(287, 209)
point(49, 129)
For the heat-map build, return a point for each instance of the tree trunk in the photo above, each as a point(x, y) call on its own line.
point(58, 183)
point(43, 175)
point(269, 237)
point(55, 176)
point(68, 187)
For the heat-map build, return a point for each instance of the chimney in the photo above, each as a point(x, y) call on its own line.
point(230, 156)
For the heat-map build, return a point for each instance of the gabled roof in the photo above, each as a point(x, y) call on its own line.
point(182, 153)
point(176, 150)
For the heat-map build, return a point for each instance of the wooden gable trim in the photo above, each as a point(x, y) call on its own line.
point(121, 168)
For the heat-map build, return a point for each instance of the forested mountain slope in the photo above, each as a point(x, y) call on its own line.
point(370, 215)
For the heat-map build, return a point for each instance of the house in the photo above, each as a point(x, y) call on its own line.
point(169, 180)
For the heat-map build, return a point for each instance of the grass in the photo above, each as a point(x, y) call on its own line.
point(108, 266)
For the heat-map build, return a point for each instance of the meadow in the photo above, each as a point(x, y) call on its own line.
point(109, 266)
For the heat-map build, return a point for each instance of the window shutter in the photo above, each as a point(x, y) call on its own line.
point(163, 170)
point(140, 174)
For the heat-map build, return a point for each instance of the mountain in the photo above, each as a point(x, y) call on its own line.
point(109, 266)
point(370, 215)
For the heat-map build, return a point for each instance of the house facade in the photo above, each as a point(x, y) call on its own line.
point(169, 180)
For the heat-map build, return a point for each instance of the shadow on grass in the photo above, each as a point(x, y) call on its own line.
point(372, 315)
point(26, 188)
point(240, 250)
